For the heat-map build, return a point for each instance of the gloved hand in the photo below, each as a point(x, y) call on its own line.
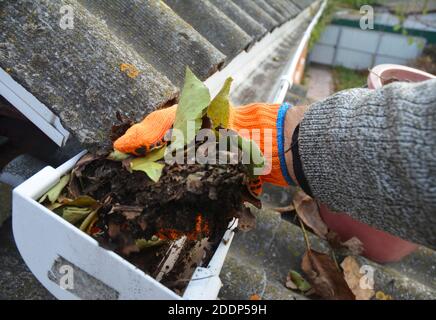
point(149, 133)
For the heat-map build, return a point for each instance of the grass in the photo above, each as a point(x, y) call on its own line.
point(344, 78)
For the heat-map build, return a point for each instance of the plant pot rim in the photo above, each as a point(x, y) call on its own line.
point(383, 74)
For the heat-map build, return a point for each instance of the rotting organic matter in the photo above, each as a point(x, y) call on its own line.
point(166, 218)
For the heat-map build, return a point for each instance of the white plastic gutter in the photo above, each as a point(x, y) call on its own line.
point(247, 62)
point(287, 78)
point(33, 109)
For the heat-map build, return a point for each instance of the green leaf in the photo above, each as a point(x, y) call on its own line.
point(299, 281)
point(118, 156)
point(85, 224)
point(54, 193)
point(219, 108)
point(250, 147)
point(75, 214)
point(148, 165)
point(144, 244)
point(194, 100)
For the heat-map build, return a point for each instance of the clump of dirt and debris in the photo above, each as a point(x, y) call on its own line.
point(139, 218)
point(167, 218)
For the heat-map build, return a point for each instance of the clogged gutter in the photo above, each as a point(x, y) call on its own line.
point(140, 207)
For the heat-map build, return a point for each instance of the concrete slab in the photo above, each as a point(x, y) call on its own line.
point(320, 82)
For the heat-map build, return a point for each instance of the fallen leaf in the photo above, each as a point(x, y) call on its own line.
point(148, 165)
point(83, 162)
point(129, 212)
point(325, 277)
point(352, 246)
point(75, 214)
point(88, 220)
point(298, 281)
point(194, 100)
point(308, 211)
point(219, 109)
point(54, 193)
point(81, 202)
point(353, 277)
point(288, 208)
point(144, 244)
point(290, 285)
point(380, 295)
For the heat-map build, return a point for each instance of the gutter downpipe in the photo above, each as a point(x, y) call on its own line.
point(287, 79)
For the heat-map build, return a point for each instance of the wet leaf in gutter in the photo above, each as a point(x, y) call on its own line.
point(74, 214)
point(88, 220)
point(81, 202)
point(144, 244)
point(308, 211)
point(54, 193)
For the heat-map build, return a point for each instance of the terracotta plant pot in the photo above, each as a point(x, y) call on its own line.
point(379, 246)
point(384, 74)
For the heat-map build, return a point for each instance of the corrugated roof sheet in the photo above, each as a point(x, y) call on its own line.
point(241, 18)
point(257, 13)
point(78, 73)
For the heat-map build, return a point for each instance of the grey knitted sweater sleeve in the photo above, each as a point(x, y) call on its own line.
point(372, 154)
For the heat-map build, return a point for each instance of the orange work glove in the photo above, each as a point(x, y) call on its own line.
point(150, 132)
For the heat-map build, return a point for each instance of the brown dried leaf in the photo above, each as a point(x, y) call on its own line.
point(325, 277)
point(83, 162)
point(129, 212)
point(352, 246)
point(288, 208)
point(290, 285)
point(308, 211)
point(353, 277)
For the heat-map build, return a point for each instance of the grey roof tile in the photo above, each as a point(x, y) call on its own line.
point(257, 13)
point(287, 6)
point(302, 4)
point(242, 19)
point(214, 25)
point(272, 12)
point(159, 35)
point(76, 72)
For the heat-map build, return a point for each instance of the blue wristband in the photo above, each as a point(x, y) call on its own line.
point(281, 142)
